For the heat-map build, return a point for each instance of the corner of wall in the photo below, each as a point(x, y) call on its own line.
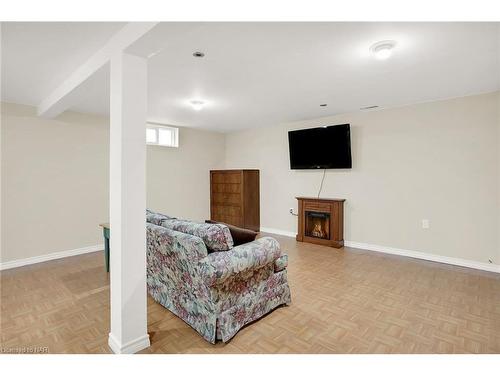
point(1, 115)
point(498, 170)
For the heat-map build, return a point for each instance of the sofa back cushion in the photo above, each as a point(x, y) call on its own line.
point(240, 235)
point(172, 246)
point(155, 217)
point(215, 236)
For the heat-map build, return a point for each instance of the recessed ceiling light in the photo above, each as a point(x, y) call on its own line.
point(198, 54)
point(383, 50)
point(197, 104)
point(323, 105)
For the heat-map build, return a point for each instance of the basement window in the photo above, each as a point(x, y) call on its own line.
point(161, 135)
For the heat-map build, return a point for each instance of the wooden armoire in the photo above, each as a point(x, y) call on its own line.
point(235, 197)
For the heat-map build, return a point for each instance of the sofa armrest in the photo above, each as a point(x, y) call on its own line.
point(219, 266)
point(281, 263)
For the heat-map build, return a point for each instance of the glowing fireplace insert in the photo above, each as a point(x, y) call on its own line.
point(318, 224)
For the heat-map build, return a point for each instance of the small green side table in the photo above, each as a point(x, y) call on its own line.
point(105, 233)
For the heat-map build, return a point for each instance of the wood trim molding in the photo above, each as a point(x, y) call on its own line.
point(405, 253)
point(52, 256)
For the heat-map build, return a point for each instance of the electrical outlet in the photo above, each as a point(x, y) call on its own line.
point(425, 224)
point(291, 210)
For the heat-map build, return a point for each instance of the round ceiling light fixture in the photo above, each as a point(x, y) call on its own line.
point(197, 104)
point(198, 54)
point(383, 50)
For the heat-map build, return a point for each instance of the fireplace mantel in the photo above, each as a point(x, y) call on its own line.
point(321, 221)
point(320, 199)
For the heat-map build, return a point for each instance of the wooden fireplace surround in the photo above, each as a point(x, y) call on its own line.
point(334, 207)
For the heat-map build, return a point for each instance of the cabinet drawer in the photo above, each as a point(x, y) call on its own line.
point(226, 198)
point(226, 178)
point(321, 207)
point(226, 210)
point(228, 219)
point(234, 220)
point(226, 188)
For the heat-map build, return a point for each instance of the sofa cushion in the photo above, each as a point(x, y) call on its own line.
point(155, 217)
point(217, 237)
point(240, 235)
point(169, 244)
point(218, 267)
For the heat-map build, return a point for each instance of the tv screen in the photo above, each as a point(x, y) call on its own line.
point(319, 148)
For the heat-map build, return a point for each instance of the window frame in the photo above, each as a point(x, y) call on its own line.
point(157, 128)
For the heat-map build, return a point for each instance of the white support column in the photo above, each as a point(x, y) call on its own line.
point(128, 204)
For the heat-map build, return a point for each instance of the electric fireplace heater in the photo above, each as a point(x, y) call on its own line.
point(321, 221)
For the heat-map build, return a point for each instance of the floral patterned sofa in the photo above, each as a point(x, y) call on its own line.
point(194, 271)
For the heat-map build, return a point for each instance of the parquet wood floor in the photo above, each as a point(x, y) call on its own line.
point(343, 301)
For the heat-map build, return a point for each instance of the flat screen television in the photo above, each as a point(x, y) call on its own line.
point(328, 147)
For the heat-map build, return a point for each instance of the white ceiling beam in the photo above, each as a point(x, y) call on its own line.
point(65, 95)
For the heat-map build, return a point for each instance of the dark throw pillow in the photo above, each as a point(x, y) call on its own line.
point(240, 235)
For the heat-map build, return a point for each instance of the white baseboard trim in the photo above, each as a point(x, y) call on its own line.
point(44, 258)
point(425, 256)
point(131, 347)
point(405, 253)
point(279, 232)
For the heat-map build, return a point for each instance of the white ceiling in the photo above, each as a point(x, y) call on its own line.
point(260, 74)
point(38, 56)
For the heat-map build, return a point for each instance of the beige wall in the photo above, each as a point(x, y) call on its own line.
point(55, 179)
point(178, 178)
point(54, 182)
point(436, 161)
